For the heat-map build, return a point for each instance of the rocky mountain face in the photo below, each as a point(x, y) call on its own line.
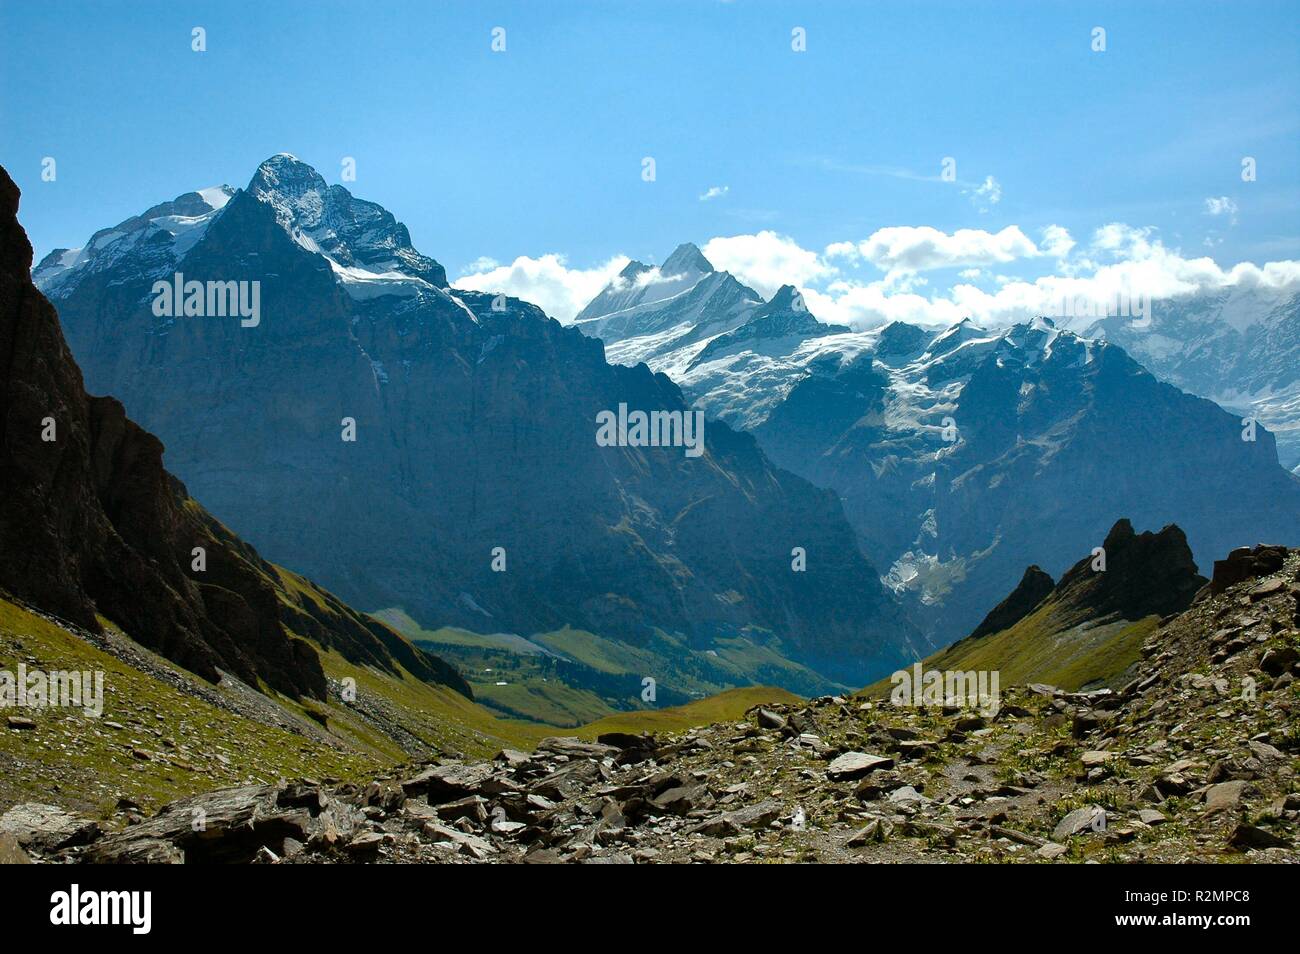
point(1239, 347)
point(1143, 575)
point(961, 457)
point(350, 232)
point(1192, 759)
point(92, 526)
point(475, 492)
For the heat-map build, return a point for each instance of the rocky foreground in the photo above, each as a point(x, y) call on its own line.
point(1194, 759)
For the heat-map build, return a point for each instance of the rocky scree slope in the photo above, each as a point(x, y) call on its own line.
point(1194, 759)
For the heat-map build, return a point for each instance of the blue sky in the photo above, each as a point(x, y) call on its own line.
point(538, 150)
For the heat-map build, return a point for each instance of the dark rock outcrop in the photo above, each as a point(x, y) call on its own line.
point(1029, 592)
point(1245, 563)
point(1145, 574)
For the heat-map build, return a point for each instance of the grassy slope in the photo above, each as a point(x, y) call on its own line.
point(599, 677)
point(454, 636)
point(729, 706)
point(194, 745)
point(671, 661)
point(1048, 646)
point(553, 703)
point(532, 691)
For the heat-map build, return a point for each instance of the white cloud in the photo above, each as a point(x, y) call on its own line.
point(985, 195)
point(715, 192)
point(845, 250)
point(1138, 267)
point(546, 281)
point(481, 264)
point(1222, 205)
point(919, 248)
point(766, 261)
point(1057, 241)
point(1118, 261)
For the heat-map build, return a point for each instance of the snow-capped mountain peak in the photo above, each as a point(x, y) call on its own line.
point(640, 287)
point(368, 250)
point(366, 245)
point(955, 336)
point(775, 326)
point(686, 259)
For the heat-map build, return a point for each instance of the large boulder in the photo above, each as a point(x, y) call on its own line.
point(47, 828)
point(229, 825)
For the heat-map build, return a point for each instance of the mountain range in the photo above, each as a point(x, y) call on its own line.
point(962, 455)
point(227, 674)
point(475, 493)
point(950, 459)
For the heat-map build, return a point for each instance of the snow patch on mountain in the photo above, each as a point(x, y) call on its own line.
point(363, 284)
point(152, 243)
point(217, 196)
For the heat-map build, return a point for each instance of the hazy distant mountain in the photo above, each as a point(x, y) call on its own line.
point(991, 450)
point(1239, 347)
point(475, 423)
